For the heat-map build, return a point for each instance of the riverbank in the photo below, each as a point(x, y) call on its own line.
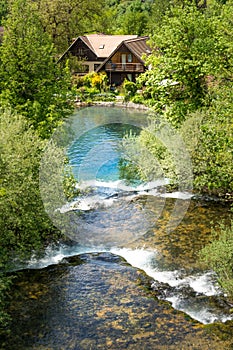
point(118, 103)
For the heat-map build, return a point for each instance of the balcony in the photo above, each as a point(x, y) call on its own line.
point(124, 67)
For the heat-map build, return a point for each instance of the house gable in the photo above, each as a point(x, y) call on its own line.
point(82, 50)
point(129, 53)
point(124, 53)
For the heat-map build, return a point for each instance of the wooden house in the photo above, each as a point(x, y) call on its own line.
point(120, 56)
point(126, 61)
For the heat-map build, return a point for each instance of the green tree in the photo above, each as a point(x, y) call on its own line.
point(24, 226)
point(65, 20)
point(132, 17)
point(186, 49)
point(190, 86)
point(30, 80)
point(209, 138)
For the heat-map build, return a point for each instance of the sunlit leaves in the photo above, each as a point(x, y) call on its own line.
point(31, 82)
point(187, 48)
point(219, 256)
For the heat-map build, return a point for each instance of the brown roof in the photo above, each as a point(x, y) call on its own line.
point(103, 45)
point(138, 46)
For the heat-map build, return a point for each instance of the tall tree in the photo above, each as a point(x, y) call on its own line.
point(31, 81)
point(187, 48)
point(64, 20)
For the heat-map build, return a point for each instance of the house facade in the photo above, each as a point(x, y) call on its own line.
point(120, 56)
point(126, 61)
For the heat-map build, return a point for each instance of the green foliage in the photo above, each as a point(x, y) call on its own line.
point(130, 17)
point(158, 10)
point(190, 85)
point(31, 82)
point(69, 184)
point(24, 226)
point(209, 138)
point(3, 10)
point(158, 152)
point(129, 89)
point(65, 20)
point(218, 255)
point(163, 162)
point(128, 170)
point(93, 86)
point(75, 64)
point(187, 47)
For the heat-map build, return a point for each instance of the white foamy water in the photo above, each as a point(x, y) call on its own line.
point(187, 293)
point(177, 195)
point(101, 194)
point(200, 285)
point(121, 185)
point(199, 313)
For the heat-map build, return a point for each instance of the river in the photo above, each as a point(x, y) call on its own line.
point(125, 278)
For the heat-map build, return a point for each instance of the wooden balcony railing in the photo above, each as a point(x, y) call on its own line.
point(124, 67)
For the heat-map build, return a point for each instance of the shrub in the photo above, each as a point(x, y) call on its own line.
point(129, 89)
point(208, 137)
point(218, 255)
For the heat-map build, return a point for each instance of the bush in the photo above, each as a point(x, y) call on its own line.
point(138, 99)
point(24, 225)
point(218, 255)
point(85, 93)
point(208, 137)
point(129, 89)
point(98, 81)
point(92, 86)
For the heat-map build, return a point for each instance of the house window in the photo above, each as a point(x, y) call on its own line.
point(130, 58)
point(80, 51)
point(123, 58)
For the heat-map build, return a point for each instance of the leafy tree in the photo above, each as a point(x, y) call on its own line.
point(65, 20)
point(133, 17)
point(190, 85)
point(23, 223)
point(186, 49)
point(31, 82)
point(208, 136)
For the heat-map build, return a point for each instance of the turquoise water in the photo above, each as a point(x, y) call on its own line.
point(95, 153)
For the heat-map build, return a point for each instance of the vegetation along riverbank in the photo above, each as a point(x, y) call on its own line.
point(187, 85)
